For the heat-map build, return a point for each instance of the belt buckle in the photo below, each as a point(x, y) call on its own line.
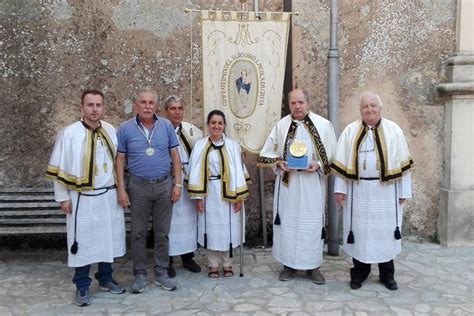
point(160, 179)
point(153, 181)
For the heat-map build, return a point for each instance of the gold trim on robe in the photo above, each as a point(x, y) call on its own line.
point(65, 165)
point(185, 139)
point(276, 147)
point(233, 173)
point(392, 164)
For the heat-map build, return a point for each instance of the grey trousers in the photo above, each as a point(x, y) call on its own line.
point(150, 198)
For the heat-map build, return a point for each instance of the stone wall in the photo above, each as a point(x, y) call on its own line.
point(52, 49)
point(397, 49)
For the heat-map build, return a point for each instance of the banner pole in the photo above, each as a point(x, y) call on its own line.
point(187, 10)
point(242, 232)
point(191, 70)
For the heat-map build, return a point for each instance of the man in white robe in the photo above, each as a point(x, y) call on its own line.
point(183, 231)
point(82, 167)
point(299, 196)
point(372, 162)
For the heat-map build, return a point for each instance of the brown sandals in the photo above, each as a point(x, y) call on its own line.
point(228, 272)
point(213, 274)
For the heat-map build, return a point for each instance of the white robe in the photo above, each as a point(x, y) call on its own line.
point(297, 240)
point(183, 231)
point(219, 221)
point(100, 219)
point(374, 204)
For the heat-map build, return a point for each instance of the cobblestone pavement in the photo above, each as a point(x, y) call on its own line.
point(432, 280)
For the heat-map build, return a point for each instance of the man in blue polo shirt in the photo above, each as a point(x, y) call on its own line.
point(146, 144)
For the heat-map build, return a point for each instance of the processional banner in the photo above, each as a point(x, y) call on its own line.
point(243, 68)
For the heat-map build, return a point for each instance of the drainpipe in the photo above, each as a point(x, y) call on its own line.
point(333, 111)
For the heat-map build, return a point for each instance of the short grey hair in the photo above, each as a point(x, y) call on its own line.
point(171, 99)
point(305, 94)
point(370, 93)
point(147, 90)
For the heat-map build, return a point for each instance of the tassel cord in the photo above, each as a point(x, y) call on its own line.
point(230, 231)
point(397, 233)
point(277, 217)
point(205, 224)
point(352, 202)
point(75, 246)
point(323, 229)
point(350, 237)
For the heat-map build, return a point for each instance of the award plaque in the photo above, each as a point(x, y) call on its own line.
point(297, 158)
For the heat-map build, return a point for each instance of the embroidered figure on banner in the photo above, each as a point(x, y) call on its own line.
point(243, 84)
point(243, 95)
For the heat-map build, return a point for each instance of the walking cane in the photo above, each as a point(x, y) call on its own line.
point(205, 224)
point(231, 255)
point(242, 231)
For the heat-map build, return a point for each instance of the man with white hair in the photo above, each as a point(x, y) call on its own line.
point(372, 163)
point(146, 145)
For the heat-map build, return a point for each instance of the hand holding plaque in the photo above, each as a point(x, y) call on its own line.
point(297, 158)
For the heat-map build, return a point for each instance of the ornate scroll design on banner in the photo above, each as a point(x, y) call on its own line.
point(243, 37)
point(243, 71)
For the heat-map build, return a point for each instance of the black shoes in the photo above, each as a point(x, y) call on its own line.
point(355, 284)
point(171, 271)
point(192, 266)
point(391, 285)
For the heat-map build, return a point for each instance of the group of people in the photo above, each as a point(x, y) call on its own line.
point(372, 163)
point(194, 188)
point(98, 171)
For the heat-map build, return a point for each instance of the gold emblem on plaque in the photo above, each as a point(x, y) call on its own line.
point(298, 148)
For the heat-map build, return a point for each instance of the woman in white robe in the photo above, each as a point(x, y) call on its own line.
point(217, 180)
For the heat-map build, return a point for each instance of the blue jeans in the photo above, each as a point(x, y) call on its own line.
point(81, 276)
